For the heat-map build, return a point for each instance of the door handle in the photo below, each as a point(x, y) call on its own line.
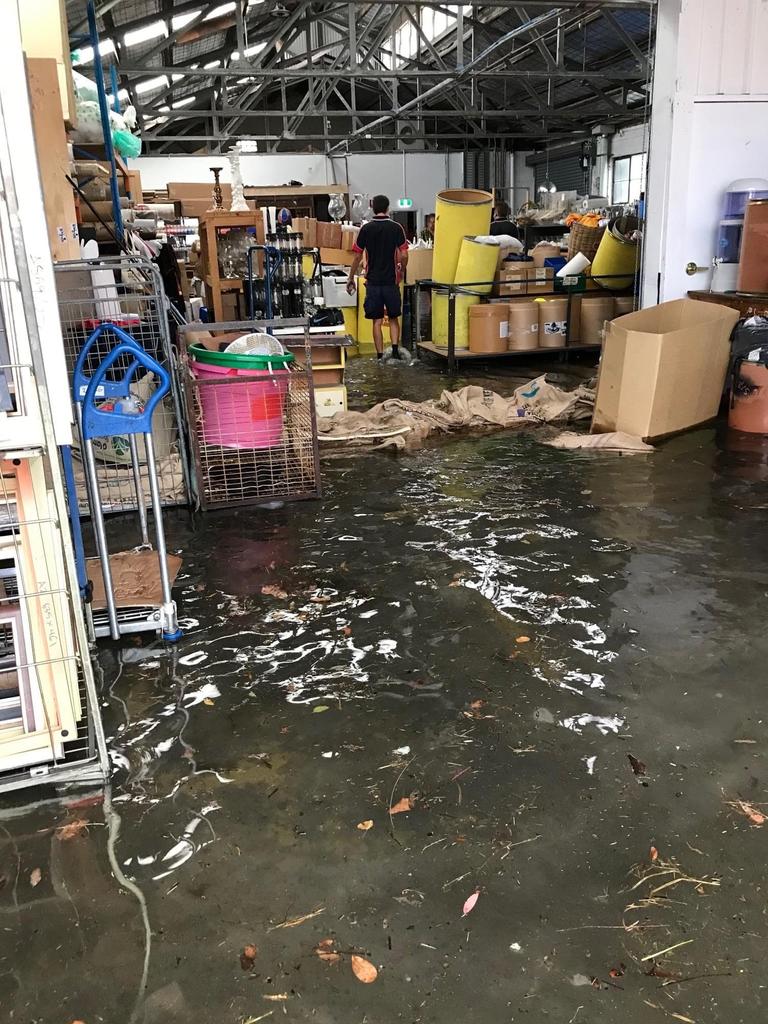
point(693, 268)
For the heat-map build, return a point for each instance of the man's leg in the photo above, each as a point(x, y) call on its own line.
point(394, 334)
point(378, 337)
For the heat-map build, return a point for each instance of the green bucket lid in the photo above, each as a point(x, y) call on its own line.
point(239, 361)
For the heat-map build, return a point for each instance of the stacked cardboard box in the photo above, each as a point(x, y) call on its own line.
point(513, 279)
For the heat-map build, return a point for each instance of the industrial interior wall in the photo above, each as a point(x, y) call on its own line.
point(425, 173)
point(710, 109)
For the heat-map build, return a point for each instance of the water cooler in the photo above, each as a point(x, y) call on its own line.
point(730, 230)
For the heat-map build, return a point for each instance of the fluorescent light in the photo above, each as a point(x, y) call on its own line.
point(218, 11)
point(85, 55)
point(251, 51)
point(176, 78)
point(143, 35)
point(165, 110)
point(180, 20)
point(235, 55)
point(211, 64)
point(151, 83)
point(185, 102)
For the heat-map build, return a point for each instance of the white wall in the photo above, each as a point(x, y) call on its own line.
point(710, 109)
point(523, 178)
point(425, 173)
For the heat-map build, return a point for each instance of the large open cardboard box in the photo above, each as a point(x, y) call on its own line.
point(663, 368)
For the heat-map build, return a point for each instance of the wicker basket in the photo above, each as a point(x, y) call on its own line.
point(584, 240)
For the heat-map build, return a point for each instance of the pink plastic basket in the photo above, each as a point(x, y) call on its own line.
point(242, 415)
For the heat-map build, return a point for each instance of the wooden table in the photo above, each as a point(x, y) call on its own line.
point(747, 303)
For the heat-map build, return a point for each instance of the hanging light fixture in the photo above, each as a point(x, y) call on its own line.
point(547, 186)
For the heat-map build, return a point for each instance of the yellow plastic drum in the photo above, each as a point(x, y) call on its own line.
point(350, 321)
point(458, 212)
point(440, 318)
point(477, 262)
point(615, 257)
point(365, 327)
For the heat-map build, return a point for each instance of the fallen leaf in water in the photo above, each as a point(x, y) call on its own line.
point(326, 952)
point(269, 590)
point(618, 972)
point(72, 829)
point(638, 767)
point(364, 971)
point(522, 640)
point(455, 583)
point(406, 804)
point(208, 701)
point(347, 631)
point(320, 709)
point(749, 811)
point(35, 877)
point(654, 854)
point(248, 956)
point(365, 825)
point(469, 903)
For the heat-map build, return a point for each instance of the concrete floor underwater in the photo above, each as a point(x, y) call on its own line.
point(540, 675)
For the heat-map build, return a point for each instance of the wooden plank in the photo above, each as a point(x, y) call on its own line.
point(464, 353)
point(44, 34)
point(51, 145)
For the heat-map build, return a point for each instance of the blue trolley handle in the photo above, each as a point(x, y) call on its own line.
point(101, 423)
point(110, 389)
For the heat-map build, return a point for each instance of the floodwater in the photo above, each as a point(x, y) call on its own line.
point(488, 628)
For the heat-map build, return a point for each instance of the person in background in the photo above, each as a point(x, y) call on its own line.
point(428, 231)
point(386, 250)
point(501, 224)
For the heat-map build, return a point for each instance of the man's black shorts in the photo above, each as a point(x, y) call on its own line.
point(381, 299)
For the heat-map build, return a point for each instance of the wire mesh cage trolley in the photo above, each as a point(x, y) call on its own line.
point(126, 291)
point(253, 432)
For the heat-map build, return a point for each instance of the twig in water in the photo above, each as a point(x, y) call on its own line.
point(696, 977)
point(573, 1018)
point(522, 842)
point(292, 922)
point(392, 794)
point(255, 1020)
point(661, 952)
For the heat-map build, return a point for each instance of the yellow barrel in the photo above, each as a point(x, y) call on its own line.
point(350, 321)
point(307, 265)
point(440, 318)
point(477, 262)
point(615, 257)
point(458, 212)
point(365, 327)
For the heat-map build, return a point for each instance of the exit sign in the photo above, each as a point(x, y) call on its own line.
point(405, 204)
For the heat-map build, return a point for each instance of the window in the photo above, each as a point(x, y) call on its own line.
point(628, 178)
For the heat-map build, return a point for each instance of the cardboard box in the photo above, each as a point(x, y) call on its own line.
point(328, 235)
point(540, 280)
point(419, 266)
point(511, 279)
point(349, 235)
point(663, 368)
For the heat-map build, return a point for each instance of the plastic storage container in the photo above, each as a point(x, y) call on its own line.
point(440, 318)
point(241, 415)
point(489, 328)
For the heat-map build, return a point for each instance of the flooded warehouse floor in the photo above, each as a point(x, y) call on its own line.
point(481, 737)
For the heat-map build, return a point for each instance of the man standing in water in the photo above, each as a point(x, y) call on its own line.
point(386, 250)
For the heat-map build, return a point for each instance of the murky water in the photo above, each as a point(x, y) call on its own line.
point(487, 628)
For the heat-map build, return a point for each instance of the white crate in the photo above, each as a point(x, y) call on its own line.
point(335, 292)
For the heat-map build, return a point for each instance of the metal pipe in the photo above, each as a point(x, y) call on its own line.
point(140, 506)
point(100, 533)
point(98, 75)
point(169, 623)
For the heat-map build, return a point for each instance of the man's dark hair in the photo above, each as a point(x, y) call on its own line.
point(380, 204)
point(428, 216)
point(502, 211)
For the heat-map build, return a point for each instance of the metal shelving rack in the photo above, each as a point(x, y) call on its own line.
point(50, 730)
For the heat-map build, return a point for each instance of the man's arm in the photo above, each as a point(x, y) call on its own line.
point(356, 260)
point(402, 256)
point(358, 249)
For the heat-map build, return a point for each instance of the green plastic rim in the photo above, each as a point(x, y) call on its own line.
point(239, 361)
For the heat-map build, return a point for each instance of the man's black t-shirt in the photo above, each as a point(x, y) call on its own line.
point(505, 227)
point(381, 238)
